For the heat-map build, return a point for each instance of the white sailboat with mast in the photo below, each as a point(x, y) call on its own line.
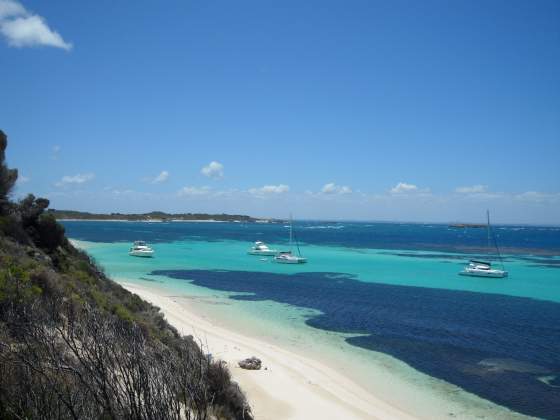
point(477, 268)
point(288, 257)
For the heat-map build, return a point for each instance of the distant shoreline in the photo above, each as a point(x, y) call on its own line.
point(151, 220)
point(154, 217)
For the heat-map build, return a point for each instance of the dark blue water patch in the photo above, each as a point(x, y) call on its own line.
point(494, 346)
point(150, 280)
point(542, 261)
point(526, 240)
point(545, 265)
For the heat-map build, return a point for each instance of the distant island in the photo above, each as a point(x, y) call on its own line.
point(155, 216)
point(467, 225)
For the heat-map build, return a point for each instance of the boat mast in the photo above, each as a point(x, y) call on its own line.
point(488, 226)
point(291, 231)
point(495, 241)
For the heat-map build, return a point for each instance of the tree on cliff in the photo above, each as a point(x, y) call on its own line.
point(8, 177)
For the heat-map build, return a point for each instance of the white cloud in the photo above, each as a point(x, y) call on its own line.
point(332, 188)
point(162, 177)
point(270, 189)
point(23, 29)
point(194, 191)
point(473, 189)
point(231, 193)
point(403, 187)
point(538, 197)
point(75, 179)
point(213, 170)
point(9, 8)
point(122, 192)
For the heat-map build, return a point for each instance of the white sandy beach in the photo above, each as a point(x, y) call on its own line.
point(288, 386)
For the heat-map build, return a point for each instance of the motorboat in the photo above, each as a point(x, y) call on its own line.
point(260, 248)
point(141, 249)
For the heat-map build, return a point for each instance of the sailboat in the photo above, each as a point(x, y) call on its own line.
point(287, 257)
point(483, 268)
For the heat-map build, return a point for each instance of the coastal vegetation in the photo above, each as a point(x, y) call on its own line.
point(76, 345)
point(151, 216)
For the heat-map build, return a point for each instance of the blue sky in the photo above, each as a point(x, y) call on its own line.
point(377, 110)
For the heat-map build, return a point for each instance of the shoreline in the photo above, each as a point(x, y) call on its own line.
point(288, 386)
point(151, 220)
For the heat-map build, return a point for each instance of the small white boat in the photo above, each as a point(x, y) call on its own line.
point(286, 257)
point(260, 248)
point(141, 249)
point(482, 269)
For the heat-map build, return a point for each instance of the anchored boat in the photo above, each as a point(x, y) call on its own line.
point(484, 268)
point(288, 257)
point(260, 248)
point(141, 249)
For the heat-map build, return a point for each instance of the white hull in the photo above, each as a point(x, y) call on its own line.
point(290, 260)
point(145, 254)
point(269, 253)
point(141, 249)
point(261, 248)
point(484, 273)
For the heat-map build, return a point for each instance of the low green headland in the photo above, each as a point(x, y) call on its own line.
point(151, 216)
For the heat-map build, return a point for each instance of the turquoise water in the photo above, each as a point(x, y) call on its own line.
point(365, 308)
point(407, 268)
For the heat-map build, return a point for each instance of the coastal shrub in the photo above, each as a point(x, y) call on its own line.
point(8, 177)
point(49, 283)
point(30, 208)
point(11, 227)
point(42, 228)
point(99, 298)
point(122, 313)
point(227, 394)
point(15, 283)
point(51, 233)
point(78, 362)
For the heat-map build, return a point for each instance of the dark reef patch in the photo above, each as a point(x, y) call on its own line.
point(498, 347)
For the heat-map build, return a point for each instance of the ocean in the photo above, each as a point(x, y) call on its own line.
point(372, 295)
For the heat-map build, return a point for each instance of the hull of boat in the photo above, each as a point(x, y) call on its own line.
point(290, 261)
point(269, 253)
point(145, 254)
point(497, 274)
